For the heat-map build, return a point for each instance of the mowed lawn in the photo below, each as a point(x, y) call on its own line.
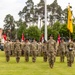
point(37, 68)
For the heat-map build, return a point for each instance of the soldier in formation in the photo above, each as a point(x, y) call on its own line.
point(34, 47)
point(27, 50)
point(22, 47)
point(44, 50)
point(7, 49)
point(62, 48)
point(12, 48)
point(17, 50)
point(39, 53)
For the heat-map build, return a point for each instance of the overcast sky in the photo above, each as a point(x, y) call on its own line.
point(14, 6)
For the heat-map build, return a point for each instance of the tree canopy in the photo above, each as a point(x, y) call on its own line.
point(28, 21)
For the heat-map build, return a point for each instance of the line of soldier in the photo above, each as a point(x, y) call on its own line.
point(48, 49)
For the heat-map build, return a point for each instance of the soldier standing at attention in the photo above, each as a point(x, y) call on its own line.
point(12, 48)
point(34, 47)
point(51, 46)
point(27, 50)
point(22, 48)
point(7, 50)
point(44, 50)
point(70, 53)
point(39, 49)
point(62, 48)
point(17, 50)
point(74, 48)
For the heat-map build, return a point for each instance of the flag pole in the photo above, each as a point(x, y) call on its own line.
point(45, 20)
point(69, 25)
point(69, 34)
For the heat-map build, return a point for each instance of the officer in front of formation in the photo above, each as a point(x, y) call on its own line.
point(51, 47)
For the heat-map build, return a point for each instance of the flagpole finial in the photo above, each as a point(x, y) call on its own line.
point(68, 3)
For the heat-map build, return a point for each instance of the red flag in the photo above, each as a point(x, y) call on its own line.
point(22, 37)
point(42, 38)
point(4, 36)
point(58, 40)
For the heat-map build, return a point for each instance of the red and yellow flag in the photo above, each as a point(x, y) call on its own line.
point(69, 25)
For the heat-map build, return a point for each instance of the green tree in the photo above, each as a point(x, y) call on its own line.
point(53, 32)
point(64, 31)
point(56, 26)
point(65, 15)
point(9, 26)
point(73, 31)
point(28, 11)
point(33, 32)
point(55, 12)
point(21, 30)
point(50, 30)
point(41, 8)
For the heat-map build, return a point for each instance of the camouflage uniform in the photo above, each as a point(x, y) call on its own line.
point(34, 51)
point(39, 49)
point(74, 50)
point(44, 50)
point(51, 46)
point(27, 51)
point(7, 50)
point(62, 48)
point(22, 48)
point(12, 48)
point(17, 50)
point(70, 54)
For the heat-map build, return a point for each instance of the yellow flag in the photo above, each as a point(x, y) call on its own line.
point(69, 25)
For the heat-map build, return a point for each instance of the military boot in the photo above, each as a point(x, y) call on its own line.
point(33, 59)
point(7, 58)
point(17, 59)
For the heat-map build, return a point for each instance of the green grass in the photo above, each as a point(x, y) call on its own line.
point(37, 68)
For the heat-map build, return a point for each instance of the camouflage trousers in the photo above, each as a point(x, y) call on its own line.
point(39, 52)
point(62, 56)
point(13, 52)
point(22, 52)
point(26, 54)
point(51, 59)
point(7, 54)
point(18, 54)
point(70, 58)
point(34, 54)
point(45, 56)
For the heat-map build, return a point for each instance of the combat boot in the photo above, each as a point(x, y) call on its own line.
point(17, 59)
point(7, 58)
point(51, 65)
point(33, 60)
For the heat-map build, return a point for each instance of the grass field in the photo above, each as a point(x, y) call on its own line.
point(37, 68)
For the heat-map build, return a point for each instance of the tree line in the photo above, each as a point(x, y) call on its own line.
point(28, 16)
